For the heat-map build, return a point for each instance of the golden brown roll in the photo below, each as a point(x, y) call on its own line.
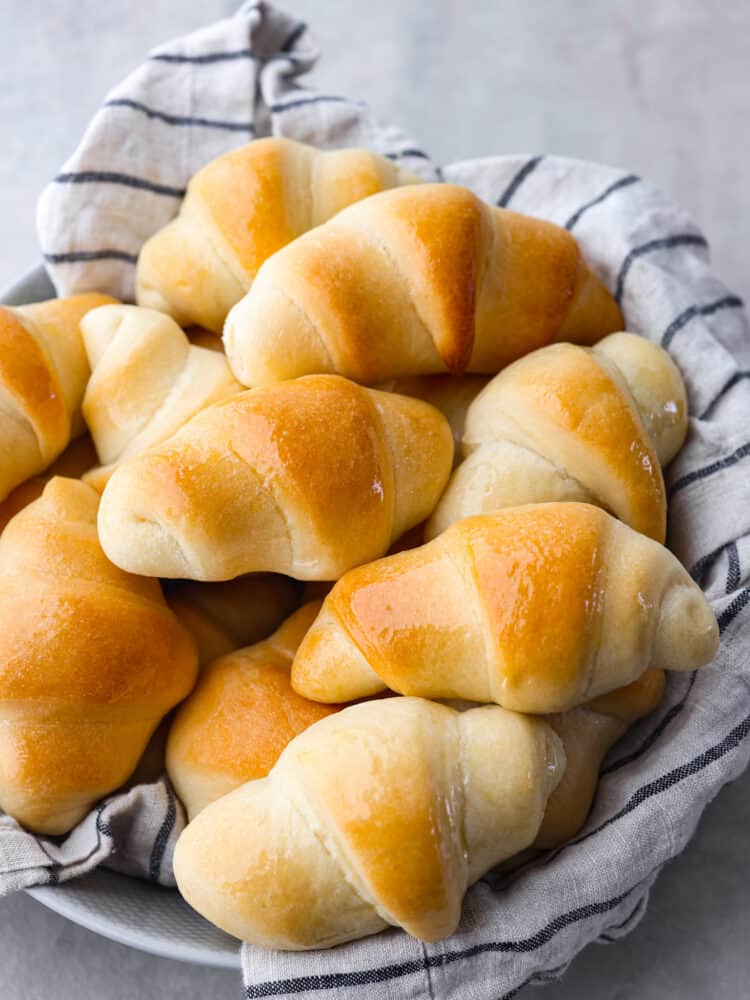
point(241, 208)
point(383, 813)
point(307, 478)
point(538, 608)
point(416, 281)
point(587, 733)
point(222, 617)
point(147, 380)
point(239, 718)
point(43, 374)
point(90, 660)
point(572, 423)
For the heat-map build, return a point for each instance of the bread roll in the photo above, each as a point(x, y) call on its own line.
point(383, 813)
point(538, 608)
point(90, 660)
point(416, 281)
point(307, 478)
point(569, 423)
point(147, 380)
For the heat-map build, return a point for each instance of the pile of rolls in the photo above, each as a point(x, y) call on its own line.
point(363, 500)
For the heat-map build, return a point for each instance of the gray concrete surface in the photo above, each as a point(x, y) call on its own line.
point(660, 88)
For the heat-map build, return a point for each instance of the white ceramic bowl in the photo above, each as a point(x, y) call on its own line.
point(128, 910)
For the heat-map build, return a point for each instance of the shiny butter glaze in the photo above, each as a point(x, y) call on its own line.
point(261, 196)
point(536, 574)
point(564, 404)
point(539, 608)
point(308, 477)
point(416, 280)
point(383, 813)
point(90, 660)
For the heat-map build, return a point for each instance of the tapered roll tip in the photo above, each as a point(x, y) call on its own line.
point(133, 538)
point(687, 636)
point(328, 666)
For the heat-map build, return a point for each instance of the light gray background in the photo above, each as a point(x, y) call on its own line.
point(658, 87)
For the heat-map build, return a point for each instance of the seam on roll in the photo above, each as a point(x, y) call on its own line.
point(342, 858)
point(372, 237)
point(268, 485)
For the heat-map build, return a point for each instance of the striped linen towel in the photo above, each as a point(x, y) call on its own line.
point(213, 90)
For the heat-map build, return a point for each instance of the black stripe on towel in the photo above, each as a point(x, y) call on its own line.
point(727, 302)
point(709, 470)
point(416, 153)
point(528, 168)
point(729, 613)
point(162, 837)
point(81, 256)
point(162, 116)
point(702, 564)
point(367, 977)
point(615, 186)
point(737, 377)
point(123, 180)
point(663, 243)
point(733, 569)
point(209, 57)
point(315, 99)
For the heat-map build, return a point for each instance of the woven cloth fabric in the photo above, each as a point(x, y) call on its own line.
point(201, 95)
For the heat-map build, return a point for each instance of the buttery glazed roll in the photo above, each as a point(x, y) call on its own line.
point(587, 733)
point(569, 423)
point(416, 281)
point(78, 457)
point(241, 208)
point(90, 660)
point(239, 718)
point(222, 617)
point(538, 608)
point(43, 374)
point(307, 478)
point(383, 813)
point(147, 380)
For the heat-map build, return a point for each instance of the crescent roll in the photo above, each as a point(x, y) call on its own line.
point(307, 478)
point(572, 423)
point(416, 281)
point(147, 380)
point(537, 608)
point(91, 659)
point(383, 813)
